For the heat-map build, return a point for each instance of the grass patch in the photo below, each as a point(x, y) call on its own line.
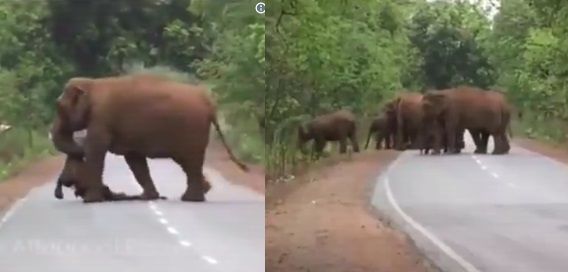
point(19, 147)
point(245, 138)
point(534, 126)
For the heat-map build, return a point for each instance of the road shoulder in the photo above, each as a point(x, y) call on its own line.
point(326, 224)
point(558, 152)
point(37, 174)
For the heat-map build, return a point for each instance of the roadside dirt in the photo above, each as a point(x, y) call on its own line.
point(558, 152)
point(218, 159)
point(36, 174)
point(46, 170)
point(323, 222)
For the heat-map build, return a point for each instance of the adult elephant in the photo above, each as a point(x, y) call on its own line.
point(470, 108)
point(139, 117)
point(481, 137)
point(73, 168)
point(409, 118)
point(337, 126)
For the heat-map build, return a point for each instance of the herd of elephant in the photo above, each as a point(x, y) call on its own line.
point(137, 117)
point(434, 121)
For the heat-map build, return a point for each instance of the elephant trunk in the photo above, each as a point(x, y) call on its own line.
point(63, 141)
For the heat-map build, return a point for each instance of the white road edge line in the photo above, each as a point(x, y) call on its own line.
point(12, 210)
point(435, 240)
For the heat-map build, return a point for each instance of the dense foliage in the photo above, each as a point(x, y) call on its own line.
point(326, 55)
point(45, 42)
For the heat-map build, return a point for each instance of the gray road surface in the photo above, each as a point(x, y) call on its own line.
point(42, 234)
point(481, 212)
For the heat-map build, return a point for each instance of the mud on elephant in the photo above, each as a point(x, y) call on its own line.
point(138, 117)
point(481, 112)
point(338, 126)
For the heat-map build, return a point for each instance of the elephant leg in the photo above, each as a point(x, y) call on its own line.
point(507, 145)
point(379, 141)
point(388, 139)
point(498, 145)
point(197, 185)
point(96, 146)
point(139, 167)
point(475, 136)
point(451, 139)
point(484, 140)
point(501, 144)
point(342, 145)
point(354, 142)
point(319, 145)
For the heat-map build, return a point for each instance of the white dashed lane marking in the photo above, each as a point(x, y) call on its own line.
point(512, 185)
point(172, 230)
point(160, 216)
point(184, 243)
point(209, 259)
point(493, 174)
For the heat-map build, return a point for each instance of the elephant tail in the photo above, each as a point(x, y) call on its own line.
point(509, 130)
point(241, 165)
point(506, 118)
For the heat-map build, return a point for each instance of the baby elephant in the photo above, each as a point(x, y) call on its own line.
point(70, 177)
point(337, 126)
point(380, 127)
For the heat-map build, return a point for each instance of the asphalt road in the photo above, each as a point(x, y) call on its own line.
point(481, 212)
point(226, 233)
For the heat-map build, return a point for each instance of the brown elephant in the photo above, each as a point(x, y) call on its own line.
point(383, 133)
point(408, 120)
point(337, 126)
point(470, 108)
point(433, 136)
point(73, 171)
point(70, 177)
point(138, 117)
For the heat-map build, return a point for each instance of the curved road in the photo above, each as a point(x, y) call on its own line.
point(224, 234)
point(481, 212)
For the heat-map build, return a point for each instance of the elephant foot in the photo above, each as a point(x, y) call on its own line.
point(500, 152)
point(206, 186)
point(480, 151)
point(453, 152)
point(58, 193)
point(194, 195)
point(149, 195)
point(93, 196)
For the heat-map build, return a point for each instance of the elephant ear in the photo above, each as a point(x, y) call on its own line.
point(73, 106)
